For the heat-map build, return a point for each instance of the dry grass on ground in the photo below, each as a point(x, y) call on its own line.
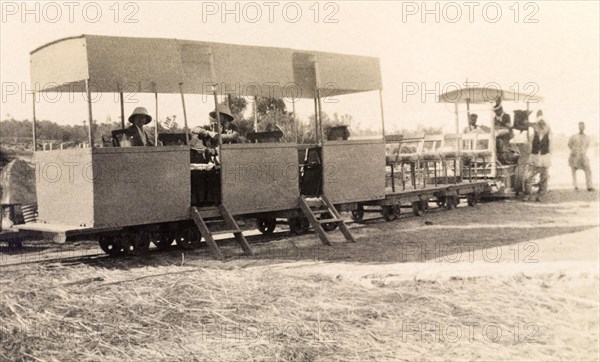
point(86, 313)
point(364, 302)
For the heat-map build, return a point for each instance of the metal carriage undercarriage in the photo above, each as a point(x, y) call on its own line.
point(129, 197)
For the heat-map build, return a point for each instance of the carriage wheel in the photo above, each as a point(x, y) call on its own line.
point(163, 240)
point(531, 178)
point(440, 202)
point(111, 245)
point(419, 208)
point(298, 225)
point(450, 202)
point(391, 212)
point(330, 226)
point(472, 199)
point(188, 238)
point(266, 225)
point(136, 243)
point(358, 214)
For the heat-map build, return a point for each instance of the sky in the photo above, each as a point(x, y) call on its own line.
point(546, 48)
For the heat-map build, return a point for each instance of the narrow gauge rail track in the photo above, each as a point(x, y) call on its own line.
point(90, 256)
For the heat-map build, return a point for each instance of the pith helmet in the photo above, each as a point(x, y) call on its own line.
point(224, 110)
point(142, 111)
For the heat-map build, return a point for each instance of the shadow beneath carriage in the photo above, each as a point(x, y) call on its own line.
point(11, 250)
point(14, 243)
point(35, 251)
point(414, 246)
point(443, 245)
point(201, 256)
point(408, 239)
point(569, 195)
point(441, 234)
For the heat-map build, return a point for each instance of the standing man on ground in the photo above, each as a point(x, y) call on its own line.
point(578, 160)
point(503, 133)
point(539, 158)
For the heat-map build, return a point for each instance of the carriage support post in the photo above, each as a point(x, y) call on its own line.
point(382, 118)
point(320, 114)
point(316, 119)
point(468, 115)
point(122, 106)
point(528, 126)
point(295, 123)
point(187, 133)
point(256, 115)
point(33, 126)
point(456, 120)
point(91, 119)
point(494, 153)
point(218, 115)
point(156, 119)
point(383, 137)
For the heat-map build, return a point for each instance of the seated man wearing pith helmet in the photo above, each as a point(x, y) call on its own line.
point(230, 132)
point(135, 134)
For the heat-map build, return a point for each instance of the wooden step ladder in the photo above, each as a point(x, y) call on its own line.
point(321, 205)
point(203, 217)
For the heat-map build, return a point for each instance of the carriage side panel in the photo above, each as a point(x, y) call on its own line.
point(141, 185)
point(354, 170)
point(259, 177)
point(64, 187)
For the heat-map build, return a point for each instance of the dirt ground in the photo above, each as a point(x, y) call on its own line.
point(506, 280)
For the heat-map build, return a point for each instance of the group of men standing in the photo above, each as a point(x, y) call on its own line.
point(540, 156)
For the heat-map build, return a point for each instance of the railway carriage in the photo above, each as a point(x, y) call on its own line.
point(130, 197)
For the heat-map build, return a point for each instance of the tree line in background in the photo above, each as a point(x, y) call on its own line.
point(272, 114)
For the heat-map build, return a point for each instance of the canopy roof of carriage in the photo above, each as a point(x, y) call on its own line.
point(158, 65)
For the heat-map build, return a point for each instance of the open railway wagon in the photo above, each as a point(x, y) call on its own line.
point(130, 197)
point(420, 171)
point(445, 168)
point(479, 150)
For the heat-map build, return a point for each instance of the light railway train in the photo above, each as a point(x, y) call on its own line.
point(130, 197)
